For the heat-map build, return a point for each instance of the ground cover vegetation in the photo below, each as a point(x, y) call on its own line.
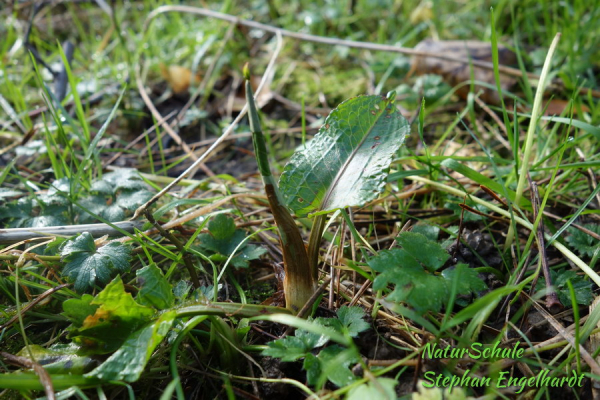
point(354, 199)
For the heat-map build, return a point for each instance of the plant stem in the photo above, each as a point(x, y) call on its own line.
point(230, 309)
point(300, 282)
point(537, 104)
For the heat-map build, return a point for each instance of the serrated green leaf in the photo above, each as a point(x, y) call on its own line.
point(129, 361)
point(113, 213)
point(224, 246)
point(127, 179)
point(352, 319)
point(431, 232)
point(313, 339)
point(429, 253)
point(290, 348)
point(248, 253)
point(582, 287)
point(312, 366)
point(294, 347)
point(335, 361)
point(582, 242)
point(132, 199)
point(222, 227)
point(384, 390)
point(88, 266)
point(346, 164)
point(111, 317)
point(467, 279)
point(155, 289)
point(415, 285)
point(223, 240)
point(102, 186)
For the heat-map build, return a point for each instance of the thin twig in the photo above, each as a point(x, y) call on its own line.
point(593, 364)
point(205, 155)
point(32, 303)
point(552, 302)
point(186, 259)
point(494, 195)
point(42, 374)
point(96, 230)
point(331, 41)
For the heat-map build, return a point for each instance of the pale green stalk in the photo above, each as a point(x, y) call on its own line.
point(537, 104)
point(299, 282)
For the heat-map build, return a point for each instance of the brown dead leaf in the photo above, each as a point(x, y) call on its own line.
point(455, 73)
point(178, 77)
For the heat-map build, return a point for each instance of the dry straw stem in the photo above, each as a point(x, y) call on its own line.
point(521, 221)
point(300, 36)
point(331, 41)
point(228, 131)
point(568, 337)
point(537, 105)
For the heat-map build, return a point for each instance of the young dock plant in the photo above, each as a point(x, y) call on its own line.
point(345, 165)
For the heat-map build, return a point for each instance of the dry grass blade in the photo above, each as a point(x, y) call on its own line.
point(332, 41)
point(32, 304)
point(226, 133)
point(96, 230)
point(593, 364)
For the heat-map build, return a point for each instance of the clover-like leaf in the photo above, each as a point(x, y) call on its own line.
point(128, 179)
point(332, 363)
point(581, 286)
point(290, 348)
point(467, 279)
point(429, 253)
point(88, 266)
point(115, 196)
